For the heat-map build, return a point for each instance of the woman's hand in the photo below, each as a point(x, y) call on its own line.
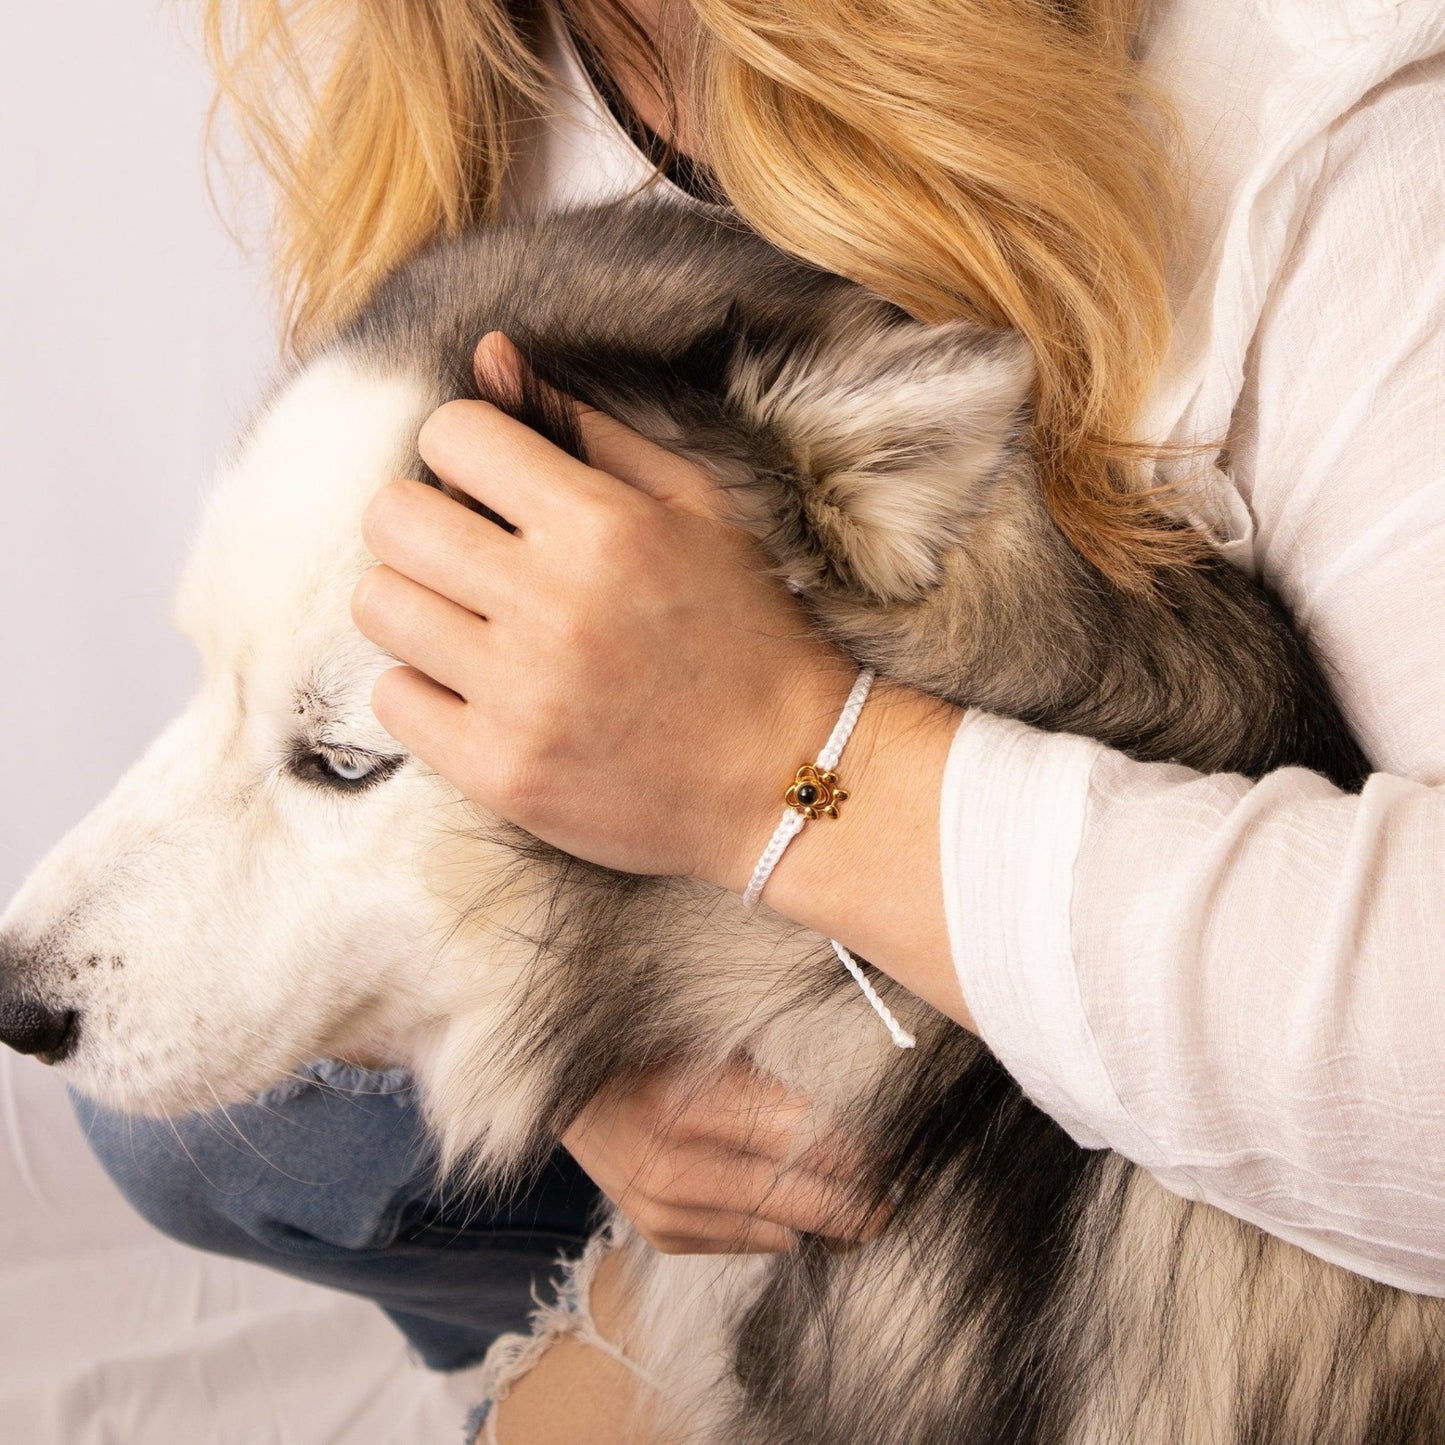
point(728, 1165)
point(619, 677)
point(624, 679)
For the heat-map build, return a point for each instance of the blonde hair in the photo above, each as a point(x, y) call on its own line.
point(994, 159)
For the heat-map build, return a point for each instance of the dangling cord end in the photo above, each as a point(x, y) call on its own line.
point(900, 1035)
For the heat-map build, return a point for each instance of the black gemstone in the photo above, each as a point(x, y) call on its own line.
point(807, 794)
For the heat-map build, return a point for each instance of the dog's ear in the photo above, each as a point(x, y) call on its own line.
point(892, 436)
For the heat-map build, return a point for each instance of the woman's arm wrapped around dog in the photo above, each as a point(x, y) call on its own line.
point(1237, 984)
point(1228, 981)
point(632, 547)
point(660, 687)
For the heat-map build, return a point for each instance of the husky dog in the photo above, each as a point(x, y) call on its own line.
point(276, 881)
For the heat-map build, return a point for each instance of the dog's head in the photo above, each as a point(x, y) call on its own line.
point(252, 893)
point(275, 879)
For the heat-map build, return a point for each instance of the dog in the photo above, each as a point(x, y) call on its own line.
point(275, 880)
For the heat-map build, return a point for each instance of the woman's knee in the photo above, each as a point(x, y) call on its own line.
point(575, 1378)
point(324, 1168)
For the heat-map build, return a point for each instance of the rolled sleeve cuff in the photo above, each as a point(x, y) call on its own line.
point(1012, 822)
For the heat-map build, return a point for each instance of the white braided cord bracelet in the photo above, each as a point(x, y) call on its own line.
point(814, 789)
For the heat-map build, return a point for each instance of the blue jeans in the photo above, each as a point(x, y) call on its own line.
point(330, 1177)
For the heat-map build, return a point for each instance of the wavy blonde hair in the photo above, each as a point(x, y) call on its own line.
point(994, 159)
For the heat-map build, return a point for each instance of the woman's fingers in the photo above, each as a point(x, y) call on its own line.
point(746, 1212)
point(751, 1112)
point(707, 1178)
point(436, 541)
point(499, 366)
point(498, 461)
point(611, 446)
point(420, 627)
point(424, 717)
point(699, 1232)
point(665, 476)
point(717, 1165)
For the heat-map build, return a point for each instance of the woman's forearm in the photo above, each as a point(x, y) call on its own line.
point(871, 878)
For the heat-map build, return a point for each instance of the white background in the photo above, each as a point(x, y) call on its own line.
point(133, 338)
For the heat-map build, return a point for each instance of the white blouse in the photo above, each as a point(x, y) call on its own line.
point(1241, 985)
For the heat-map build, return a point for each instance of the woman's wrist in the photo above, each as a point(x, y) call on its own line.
point(805, 697)
point(871, 877)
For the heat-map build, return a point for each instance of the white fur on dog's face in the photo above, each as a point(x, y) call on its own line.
point(250, 895)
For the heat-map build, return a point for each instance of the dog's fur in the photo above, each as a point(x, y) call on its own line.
point(238, 906)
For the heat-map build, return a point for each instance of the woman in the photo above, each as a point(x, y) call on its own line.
point(1098, 921)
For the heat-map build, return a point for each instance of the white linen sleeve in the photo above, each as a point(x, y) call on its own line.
point(1241, 986)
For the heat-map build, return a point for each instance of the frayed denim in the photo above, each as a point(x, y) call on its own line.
point(330, 1177)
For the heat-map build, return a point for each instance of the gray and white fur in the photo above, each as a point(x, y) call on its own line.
point(243, 902)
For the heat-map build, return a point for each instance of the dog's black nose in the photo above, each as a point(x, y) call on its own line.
point(31, 1028)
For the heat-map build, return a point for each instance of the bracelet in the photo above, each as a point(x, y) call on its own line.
point(814, 793)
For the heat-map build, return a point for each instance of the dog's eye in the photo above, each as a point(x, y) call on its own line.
point(352, 769)
point(346, 770)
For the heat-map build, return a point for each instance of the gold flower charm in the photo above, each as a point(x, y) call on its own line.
point(812, 792)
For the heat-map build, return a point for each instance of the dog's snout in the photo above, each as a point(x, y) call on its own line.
point(29, 1027)
point(26, 1024)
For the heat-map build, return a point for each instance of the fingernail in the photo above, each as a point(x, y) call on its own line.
point(503, 363)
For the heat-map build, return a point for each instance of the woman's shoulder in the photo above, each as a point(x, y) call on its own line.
point(1346, 372)
point(1396, 132)
point(1253, 84)
point(1357, 41)
point(1337, 443)
point(1275, 101)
